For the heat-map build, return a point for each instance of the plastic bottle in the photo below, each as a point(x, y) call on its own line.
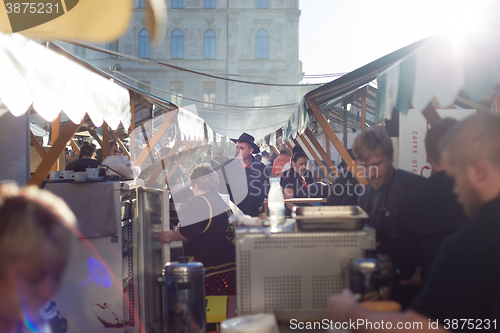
point(276, 204)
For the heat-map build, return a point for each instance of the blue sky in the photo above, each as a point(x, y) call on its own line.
point(339, 36)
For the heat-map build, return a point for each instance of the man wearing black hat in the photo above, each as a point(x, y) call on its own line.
point(346, 189)
point(247, 195)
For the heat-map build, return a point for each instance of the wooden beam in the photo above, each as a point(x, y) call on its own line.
point(344, 114)
point(37, 146)
point(320, 150)
point(289, 145)
point(75, 146)
point(56, 125)
point(120, 144)
point(105, 139)
point(97, 138)
point(295, 142)
point(193, 161)
point(431, 114)
point(156, 137)
point(53, 154)
point(275, 151)
point(363, 112)
point(192, 154)
point(314, 155)
point(161, 166)
point(336, 142)
point(180, 159)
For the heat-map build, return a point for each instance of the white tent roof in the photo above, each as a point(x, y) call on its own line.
point(32, 74)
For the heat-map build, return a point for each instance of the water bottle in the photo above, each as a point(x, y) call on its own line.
point(276, 204)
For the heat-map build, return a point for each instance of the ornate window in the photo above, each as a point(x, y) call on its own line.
point(144, 44)
point(209, 44)
point(177, 44)
point(262, 44)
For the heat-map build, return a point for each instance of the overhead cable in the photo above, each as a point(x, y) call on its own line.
point(162, 64)
point(212, 103)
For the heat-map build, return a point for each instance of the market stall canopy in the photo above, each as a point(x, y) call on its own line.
point(91, 20)
point(34, 75)
point(441, 69)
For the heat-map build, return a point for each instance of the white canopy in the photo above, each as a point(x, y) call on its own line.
point(32, 74)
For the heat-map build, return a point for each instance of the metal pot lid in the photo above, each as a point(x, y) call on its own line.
point(182, 267)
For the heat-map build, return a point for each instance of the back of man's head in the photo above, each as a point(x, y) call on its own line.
point(372, 143)
point(434, 136)
point(297, 149)
point(477, 137)
point(86, 151)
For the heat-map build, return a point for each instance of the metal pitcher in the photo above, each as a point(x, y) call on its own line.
point(371, 276)
point(185, 310)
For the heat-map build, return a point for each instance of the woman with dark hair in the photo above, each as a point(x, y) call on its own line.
point(294, 185)
point(206, 232)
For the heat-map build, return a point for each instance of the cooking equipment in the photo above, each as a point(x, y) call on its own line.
point(329, 218)
point(184, 296)
point(371, 276)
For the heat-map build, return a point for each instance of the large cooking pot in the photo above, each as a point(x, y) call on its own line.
point(371, 276)
point(185, 310)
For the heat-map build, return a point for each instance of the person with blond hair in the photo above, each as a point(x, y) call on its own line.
point(35, 241)
point(380, 199)
point(461, 291)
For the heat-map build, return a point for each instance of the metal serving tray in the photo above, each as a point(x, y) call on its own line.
point(329, 218)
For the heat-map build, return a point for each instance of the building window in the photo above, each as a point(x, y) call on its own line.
point(261, 3)
point(112, 46)
point(80, 51)
point(209, 44)
point(177, 44)
point(144, 44)
point(142, 3)
point(176, 3)
point(176, 88)
point(209, 94)
point(261, 95)
point(209, 3)
point(145, 86)
point(262, 45)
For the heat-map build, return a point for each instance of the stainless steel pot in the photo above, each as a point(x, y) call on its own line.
point(371, 276)
point(185, 310)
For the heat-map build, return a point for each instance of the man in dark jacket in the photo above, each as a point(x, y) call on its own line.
point(428, 215)
point(244, 176)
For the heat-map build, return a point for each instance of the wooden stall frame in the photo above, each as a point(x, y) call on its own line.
point(159, 168)
point(53, 154)
point(120, 144)
point(156, 137)
point(335, 140)
point(321, 151)
point(37, 146)
point(314, 155)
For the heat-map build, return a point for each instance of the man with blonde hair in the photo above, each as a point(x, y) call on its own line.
point(374, 154)
point(462, 291)
point(35, 240)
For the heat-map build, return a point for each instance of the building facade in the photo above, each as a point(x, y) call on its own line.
point(257, 40)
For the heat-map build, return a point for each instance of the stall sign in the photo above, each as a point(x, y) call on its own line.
point(412, 130)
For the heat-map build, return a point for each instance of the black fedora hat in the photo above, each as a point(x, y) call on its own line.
point(245, 137)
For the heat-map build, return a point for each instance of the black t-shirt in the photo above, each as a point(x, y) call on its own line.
point(297, 183)
point(83, 163)
point(345, 190)
point(425, 218)
point(381, 206)
point(250, 196)
point(463, 282)
point(210, 236)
